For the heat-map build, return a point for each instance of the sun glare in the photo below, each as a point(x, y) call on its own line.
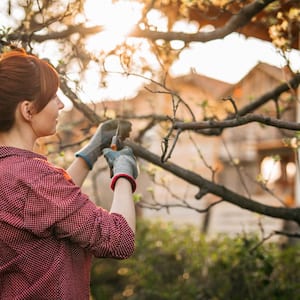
point(116, 18)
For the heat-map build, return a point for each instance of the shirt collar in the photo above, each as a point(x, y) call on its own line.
point(12, 151)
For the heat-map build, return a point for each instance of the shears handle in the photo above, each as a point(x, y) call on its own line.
point(114, 143)
point(113, 146)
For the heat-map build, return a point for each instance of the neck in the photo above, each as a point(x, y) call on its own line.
point(18, 139)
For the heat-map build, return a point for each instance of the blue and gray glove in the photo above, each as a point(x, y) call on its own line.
point(123, 164)
point(102, 139)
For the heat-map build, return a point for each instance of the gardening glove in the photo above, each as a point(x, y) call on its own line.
point(102, 139)
point(123, 164)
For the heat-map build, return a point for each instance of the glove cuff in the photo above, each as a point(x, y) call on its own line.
point(86, 159)
point(126, 176)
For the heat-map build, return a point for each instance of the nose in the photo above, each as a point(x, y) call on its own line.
point(60, 104)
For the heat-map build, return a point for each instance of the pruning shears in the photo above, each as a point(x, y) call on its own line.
point(115, 144)
point(115, 139)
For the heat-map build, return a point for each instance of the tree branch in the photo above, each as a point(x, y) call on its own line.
point(237, 21)
point(243, 116)
point(273, 94)
point(292, 214)
point(56, 35)
point(250, 118)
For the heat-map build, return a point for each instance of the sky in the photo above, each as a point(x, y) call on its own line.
point(231, 58)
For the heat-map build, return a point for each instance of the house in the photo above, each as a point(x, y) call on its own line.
point(237, 157)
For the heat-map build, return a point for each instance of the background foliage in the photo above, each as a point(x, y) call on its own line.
point(180, 263)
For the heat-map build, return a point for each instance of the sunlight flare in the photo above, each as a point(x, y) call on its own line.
point(117, 19)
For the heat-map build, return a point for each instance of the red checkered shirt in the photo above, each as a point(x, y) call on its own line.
point(50, 230)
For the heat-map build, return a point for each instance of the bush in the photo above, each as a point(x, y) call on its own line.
point(180, 263)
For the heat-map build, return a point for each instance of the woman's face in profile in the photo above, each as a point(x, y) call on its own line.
point(44, 122)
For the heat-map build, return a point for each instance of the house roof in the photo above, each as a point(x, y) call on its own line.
point(279, 74)
point(208, 85)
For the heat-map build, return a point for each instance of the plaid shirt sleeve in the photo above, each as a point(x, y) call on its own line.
point(55, 205)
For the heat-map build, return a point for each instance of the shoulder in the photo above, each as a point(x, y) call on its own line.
point(28, 166)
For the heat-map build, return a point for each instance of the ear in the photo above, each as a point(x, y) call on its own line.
point(26, 110)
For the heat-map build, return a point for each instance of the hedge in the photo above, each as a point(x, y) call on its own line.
point(180, 263)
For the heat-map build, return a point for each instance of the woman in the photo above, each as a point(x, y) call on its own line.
point(49, 229)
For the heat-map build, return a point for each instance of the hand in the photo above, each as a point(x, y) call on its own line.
point(102, 139)
point(122, 164)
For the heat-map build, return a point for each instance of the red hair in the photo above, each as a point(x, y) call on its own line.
point(24, 77)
